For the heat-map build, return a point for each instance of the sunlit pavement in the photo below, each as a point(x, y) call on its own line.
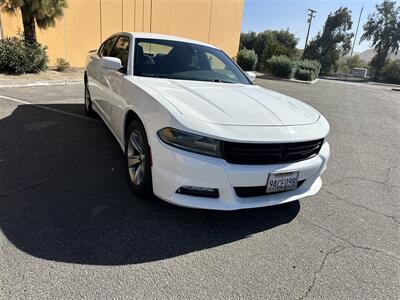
point(70, 227)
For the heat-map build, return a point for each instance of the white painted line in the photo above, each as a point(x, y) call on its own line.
point(42, 106)
point(362, 84)
point(42, 83)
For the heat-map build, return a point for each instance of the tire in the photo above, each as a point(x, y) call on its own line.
point(138, 160)
point(88, 102)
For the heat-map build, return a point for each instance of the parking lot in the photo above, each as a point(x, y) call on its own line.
point(71, 228)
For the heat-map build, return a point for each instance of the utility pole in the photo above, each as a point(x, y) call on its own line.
point(310, 17)
point(355, 36)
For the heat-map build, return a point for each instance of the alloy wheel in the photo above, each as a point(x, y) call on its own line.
point(136, 157)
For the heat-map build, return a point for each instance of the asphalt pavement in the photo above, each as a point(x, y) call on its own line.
point(71, 228)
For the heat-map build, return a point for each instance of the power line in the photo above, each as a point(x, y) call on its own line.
point(310, 17)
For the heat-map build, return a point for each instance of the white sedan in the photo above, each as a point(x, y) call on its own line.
point(194, 129)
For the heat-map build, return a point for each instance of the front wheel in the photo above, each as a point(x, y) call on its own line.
point(88, 101)
point(137, 159)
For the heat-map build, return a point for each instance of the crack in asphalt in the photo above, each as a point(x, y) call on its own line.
point(369, 136)
point(358, 178)
point(49, 179)
point(382, 251)
point(388, 171)
point(23, 187)
point(384, 182)
point(333, 251)
point(393, 218)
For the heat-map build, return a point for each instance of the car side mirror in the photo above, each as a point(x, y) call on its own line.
point(111, 63)
point(251, 75)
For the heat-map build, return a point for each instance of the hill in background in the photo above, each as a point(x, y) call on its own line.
point(367, 55)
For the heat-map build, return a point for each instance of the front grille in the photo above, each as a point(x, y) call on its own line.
point(253, 191)
point(260, 154)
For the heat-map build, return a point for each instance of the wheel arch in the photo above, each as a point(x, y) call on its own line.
point(131, 116)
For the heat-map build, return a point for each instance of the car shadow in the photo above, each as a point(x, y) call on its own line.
point(64, 197)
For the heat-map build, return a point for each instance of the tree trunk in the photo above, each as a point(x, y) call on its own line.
point(28, 22)
point(380, 63)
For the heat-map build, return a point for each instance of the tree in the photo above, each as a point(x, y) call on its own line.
point(35, 12)
point(383, 30)
point(274, 43)
point(247, 40)
point(355, 62)
point(334, 41)
point(269, 43)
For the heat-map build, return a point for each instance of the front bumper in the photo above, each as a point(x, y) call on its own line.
point(173, 168)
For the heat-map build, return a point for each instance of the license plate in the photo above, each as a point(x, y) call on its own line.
point(280, 182)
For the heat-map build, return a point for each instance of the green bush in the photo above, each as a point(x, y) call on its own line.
point(391, 72)
point(307, 70)
point(280, 66)
point(18, 57)
point(247, 59)
point(62, 65)
point(304, 74)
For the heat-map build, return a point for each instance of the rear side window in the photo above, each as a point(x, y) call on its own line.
point(107, 46)
point(121, 50)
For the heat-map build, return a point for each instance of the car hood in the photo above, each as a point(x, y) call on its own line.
point(233, 104)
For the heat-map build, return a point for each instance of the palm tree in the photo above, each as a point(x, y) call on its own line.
point(42, 13)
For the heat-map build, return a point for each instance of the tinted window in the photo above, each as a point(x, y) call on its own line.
point(107, 46)
point(186, 61)
point(121, 50)
point(217, 65)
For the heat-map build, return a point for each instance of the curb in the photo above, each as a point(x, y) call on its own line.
point(304, 82)
point(270, 77)
point(41, 83)
point(362, 81)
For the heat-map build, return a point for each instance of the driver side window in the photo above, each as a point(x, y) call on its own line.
point(107, 46)
point(121, 50)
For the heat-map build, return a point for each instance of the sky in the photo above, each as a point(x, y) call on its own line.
point(260, 15)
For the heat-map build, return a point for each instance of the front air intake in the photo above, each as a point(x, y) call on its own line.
point(264, 154)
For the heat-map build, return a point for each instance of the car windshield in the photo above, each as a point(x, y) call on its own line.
point(185, 61)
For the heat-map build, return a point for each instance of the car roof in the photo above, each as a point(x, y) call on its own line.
point(147, 35)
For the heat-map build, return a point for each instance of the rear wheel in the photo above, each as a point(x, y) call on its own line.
point(137, 159)
point(88, 101)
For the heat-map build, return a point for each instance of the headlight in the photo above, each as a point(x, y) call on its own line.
point(190, 142)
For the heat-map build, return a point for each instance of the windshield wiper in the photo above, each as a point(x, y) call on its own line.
point(220, 80)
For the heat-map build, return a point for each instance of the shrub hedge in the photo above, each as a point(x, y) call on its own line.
point(280, 66)
point(307, 70)
point(18, 57)
point(247, 59)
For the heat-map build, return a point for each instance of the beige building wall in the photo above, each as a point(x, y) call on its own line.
point(86, 23)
